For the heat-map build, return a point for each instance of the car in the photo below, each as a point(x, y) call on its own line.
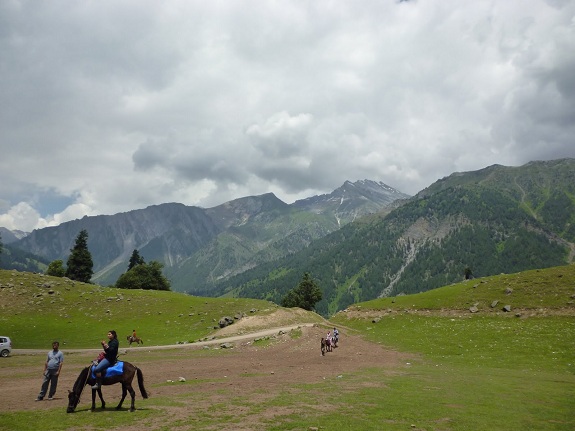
point(5, 346)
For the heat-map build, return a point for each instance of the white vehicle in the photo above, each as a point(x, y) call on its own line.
point(5, 346)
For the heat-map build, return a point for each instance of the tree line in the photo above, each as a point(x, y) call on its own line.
point(80, 267)
point(149, 276)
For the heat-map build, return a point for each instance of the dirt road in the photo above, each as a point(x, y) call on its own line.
point(255, 369)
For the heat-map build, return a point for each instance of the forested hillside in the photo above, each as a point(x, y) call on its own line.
point(496, 220)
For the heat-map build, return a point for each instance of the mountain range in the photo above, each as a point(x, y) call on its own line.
point(495, 220)
point(362, 241)
point(201, 246)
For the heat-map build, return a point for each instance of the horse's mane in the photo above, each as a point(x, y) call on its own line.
point(81, 381)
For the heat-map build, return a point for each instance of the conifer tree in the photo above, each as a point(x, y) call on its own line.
point(305, 295)
point(135, 259)
point(79, 265)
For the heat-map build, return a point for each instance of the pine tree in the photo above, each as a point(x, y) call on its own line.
point(305, 295)
point(135, 259)
point(79, 265)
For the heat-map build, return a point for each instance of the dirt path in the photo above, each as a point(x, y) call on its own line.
point(257, 368)
point(211, 342)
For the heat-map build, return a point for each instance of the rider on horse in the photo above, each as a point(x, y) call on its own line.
point(110, 357)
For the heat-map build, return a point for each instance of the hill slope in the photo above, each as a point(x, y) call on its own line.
point(35, 308)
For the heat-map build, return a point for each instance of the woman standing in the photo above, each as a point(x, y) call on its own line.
point(110, 357)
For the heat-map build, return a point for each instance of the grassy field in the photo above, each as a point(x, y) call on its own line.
point(35, 309)
point(482, 370)
point(486, 370)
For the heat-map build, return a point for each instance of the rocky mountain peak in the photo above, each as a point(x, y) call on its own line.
point(352, 200)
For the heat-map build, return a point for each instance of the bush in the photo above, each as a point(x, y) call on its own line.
point(146, 276)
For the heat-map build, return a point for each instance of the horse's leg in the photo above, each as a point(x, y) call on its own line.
point(99, 390)
point(133, 395)
point(93, 399)
point(124, 393)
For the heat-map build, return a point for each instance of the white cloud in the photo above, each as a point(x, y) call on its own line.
point(22, 217)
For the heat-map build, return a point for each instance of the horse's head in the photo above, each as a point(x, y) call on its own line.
point(73, 400)
point(76, 392)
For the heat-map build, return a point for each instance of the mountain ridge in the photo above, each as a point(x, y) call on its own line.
point(498, 219)
point(494, 220)
point(198, 245)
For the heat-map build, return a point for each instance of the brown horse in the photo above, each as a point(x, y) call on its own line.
point(133, 339)
point(323, 346)
point(85, 378)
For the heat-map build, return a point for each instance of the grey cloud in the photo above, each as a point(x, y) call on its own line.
point(205, 102)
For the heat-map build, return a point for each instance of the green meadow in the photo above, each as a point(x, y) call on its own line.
point(36, 309)
point(488, 369)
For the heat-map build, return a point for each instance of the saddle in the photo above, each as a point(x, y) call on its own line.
point(113, 370)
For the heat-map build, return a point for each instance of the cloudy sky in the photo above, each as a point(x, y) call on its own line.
point(109, 106)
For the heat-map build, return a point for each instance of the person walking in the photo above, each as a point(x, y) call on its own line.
point(111, 355)
point(52, 368)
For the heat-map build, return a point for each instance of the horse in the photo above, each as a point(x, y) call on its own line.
point(323, 346)
point(85, 378)
point(133, 339)
point(334, 340)
point(328, 344)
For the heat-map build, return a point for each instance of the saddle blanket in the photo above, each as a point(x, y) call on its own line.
point(115, 370)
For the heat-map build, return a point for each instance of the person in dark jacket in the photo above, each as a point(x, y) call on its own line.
point(111, 355)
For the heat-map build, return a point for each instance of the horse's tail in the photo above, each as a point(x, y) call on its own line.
point(141, 383)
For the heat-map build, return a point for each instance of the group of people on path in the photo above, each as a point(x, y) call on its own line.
point(330, 341)
point(55, 360)
point(332, 338)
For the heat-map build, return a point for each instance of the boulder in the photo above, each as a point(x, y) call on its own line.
point(225, 321)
